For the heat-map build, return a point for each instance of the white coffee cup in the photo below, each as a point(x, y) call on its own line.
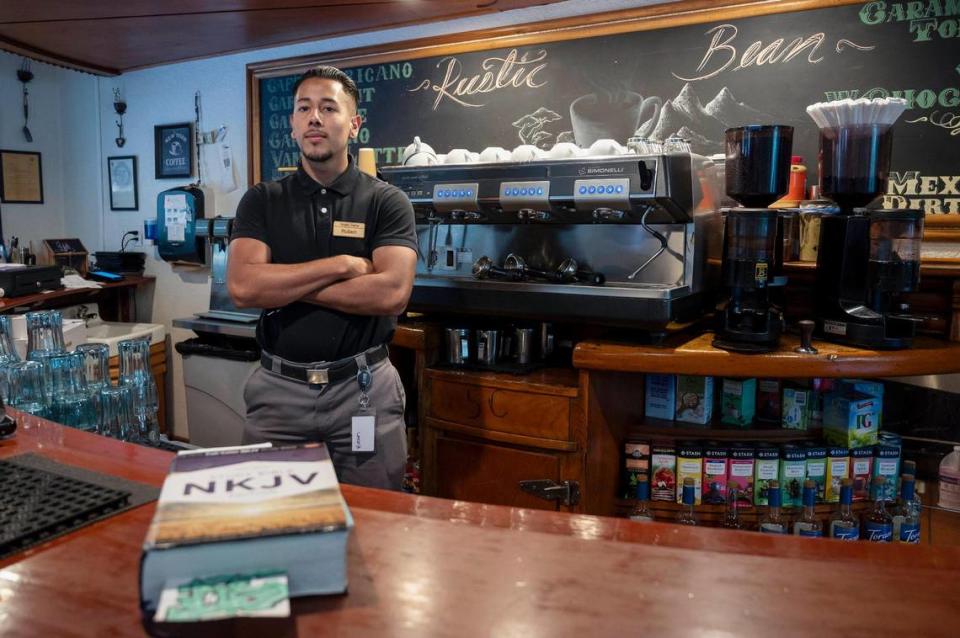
point(526, 153)
point(459, 156)
point(421, 159)
point(563, 150)
point(494, 154)
point(418, 148)
point(606, 147)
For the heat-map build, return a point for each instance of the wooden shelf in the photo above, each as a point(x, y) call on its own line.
point(695, 355)
point(410, 335)
point(69, 295)
point(654, 429)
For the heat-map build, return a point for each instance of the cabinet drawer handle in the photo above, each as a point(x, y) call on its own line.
point(493, 410)
point(475, 402)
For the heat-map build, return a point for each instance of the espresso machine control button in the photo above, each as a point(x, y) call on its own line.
point(520, 196)
point(453, 197)
point(590, 194)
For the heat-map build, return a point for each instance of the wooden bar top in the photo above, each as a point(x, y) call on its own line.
point(76, 294)
point(686, 354)
point(421, 566)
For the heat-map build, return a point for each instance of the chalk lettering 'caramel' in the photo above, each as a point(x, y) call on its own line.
point(510, 71)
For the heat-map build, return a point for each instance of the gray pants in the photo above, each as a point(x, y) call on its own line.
point(281, 410)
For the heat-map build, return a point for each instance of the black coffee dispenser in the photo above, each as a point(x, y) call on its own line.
point(867, 258)
point(757, 174)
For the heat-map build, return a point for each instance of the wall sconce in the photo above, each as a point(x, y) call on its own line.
point(120, 107)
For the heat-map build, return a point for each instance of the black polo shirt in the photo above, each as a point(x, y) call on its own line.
point(295, 217)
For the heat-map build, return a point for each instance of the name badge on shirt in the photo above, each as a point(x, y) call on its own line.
point(349, 229)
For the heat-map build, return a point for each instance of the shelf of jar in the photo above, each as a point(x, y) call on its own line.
point(658, 429)
point(694, 355)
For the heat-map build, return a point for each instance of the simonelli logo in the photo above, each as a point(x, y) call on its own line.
point(600, 170)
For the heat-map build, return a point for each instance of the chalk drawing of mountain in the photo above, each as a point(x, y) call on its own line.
point(731, 112)
point(704, 126)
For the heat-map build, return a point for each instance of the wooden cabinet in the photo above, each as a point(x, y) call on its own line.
point(485, 472)
point(486, 432)
point(483, 432)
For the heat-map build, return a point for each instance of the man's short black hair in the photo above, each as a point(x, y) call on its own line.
point(330, 73)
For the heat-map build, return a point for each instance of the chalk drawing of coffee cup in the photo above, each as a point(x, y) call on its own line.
point(612, 115)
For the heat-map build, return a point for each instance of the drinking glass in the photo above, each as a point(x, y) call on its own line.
point(43, 358)
point(44, 332)
point(27, 388)
point(96, 357)
point(135, 373)
point(71, 403)
point(116, 418)
point(7, 350)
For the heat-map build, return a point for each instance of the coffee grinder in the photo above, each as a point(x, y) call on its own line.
point(757, 174)
point(868, 258)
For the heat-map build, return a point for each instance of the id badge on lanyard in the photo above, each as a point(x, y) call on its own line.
point(363, 424)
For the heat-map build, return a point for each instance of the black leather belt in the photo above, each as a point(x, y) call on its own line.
point(321, 373)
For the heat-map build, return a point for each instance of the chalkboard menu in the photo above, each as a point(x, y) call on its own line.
point(694, 81)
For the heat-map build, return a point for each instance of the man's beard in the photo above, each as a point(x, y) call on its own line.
point(318, 157)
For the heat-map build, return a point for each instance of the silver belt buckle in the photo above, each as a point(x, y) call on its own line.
point(318, 377)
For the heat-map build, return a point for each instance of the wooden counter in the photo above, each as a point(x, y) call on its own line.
point(118, 296)
point(685, 354)
point(420, 566)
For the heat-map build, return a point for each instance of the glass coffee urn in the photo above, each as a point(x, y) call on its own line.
point(868, 258)
point(757, 174)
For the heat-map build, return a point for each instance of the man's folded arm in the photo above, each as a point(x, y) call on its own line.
point(385, 291)
point(254, 282)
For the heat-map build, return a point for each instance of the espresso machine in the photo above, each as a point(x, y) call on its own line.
point(868, 258)
point(757, 174)
point(620, 240)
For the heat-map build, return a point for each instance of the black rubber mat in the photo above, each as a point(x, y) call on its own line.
point(41, 499)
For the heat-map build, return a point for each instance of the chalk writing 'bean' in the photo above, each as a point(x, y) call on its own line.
point(722, 53)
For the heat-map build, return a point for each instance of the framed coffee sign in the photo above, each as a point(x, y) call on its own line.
point(173, 150)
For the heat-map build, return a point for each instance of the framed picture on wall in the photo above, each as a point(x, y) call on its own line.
point(21, 177)
point(122, 172)
point(173, 150)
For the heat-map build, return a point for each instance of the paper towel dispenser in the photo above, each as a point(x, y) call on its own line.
point(179, 213)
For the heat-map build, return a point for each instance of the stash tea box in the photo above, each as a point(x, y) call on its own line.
point(663, 473)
